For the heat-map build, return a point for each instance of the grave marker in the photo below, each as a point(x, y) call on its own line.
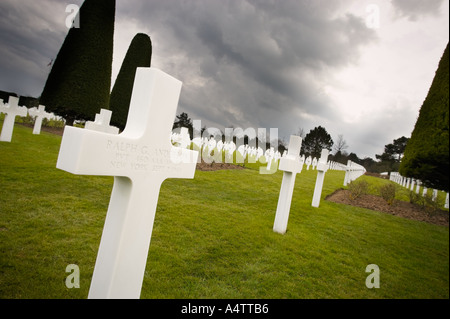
point(140, 159)
point(11, 110)
point(446, 201)
point(314, 163)
point(101, 123)
point(322, 167)
point(308, 162)
point(40, 114)
point(291, 166)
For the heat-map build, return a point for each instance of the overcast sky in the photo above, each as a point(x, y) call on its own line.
point(358, 68)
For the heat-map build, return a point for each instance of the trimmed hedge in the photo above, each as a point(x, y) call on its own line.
point(139, 54)
point(426, 155)
point(79, 83)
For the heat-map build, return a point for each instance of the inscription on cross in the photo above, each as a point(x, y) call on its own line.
point(140, 159)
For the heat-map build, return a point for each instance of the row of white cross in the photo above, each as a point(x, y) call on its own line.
point(140, 159)
point(411, 183)
point(12, 109)
point(208, 146)
point(291, 165)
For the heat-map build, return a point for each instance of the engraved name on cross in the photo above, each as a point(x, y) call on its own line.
point(140, 159)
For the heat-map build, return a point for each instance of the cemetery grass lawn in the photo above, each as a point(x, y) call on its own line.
point(212, 236)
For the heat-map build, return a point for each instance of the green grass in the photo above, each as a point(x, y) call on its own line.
point(212, 236)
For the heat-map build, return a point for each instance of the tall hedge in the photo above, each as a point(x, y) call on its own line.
point(139, 54)
point(426, 155)
point(79, 83)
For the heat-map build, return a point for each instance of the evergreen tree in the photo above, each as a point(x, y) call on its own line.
point(79, 83)
point(183, 120)
point(393, 153)
point(426, 155)
point(316, 140)
point(139, 54)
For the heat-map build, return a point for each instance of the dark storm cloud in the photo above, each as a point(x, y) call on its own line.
point(31, 34)
point(254, 56)
point(248, 63)
point(258, 57)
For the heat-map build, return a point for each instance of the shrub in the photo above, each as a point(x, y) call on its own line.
point(387, 191)
point(417, 199)
point(426, 202)
point(357, 189)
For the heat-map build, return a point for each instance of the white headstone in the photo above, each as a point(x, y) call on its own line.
point(101, 123)
point(308, 162)
point(291, 166)
point(182, 139)
point(39, 114)
point(270, 154)
point(322, 168)
point(314, 163)
point(418, 183)
point(12, 109)
point(347, 179)
point(140, 159)
point(413, 183)
point(219, 145)
point(435, 194)
point(446, 201)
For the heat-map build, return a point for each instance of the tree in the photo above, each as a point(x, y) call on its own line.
point(393, 152)
point(340, 157)
point(79, 83)
point(139, 54)
point(400, 146)
point(300, 132)
point(340, 145)
point(316, 140)
point(183, 120)
point(427, 152)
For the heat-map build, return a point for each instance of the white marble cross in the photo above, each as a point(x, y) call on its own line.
point(314, 163)
point(308, 162)
point(12, 110)
point(322, 167)
point(40, 114)
point(101, 123)
point(185, 141)
point(446, 201)
point(291, 166)
point(140, 159)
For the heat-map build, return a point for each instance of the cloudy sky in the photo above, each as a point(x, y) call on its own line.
point(358, 68)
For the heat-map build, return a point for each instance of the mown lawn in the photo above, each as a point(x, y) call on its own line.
point(212, 236)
